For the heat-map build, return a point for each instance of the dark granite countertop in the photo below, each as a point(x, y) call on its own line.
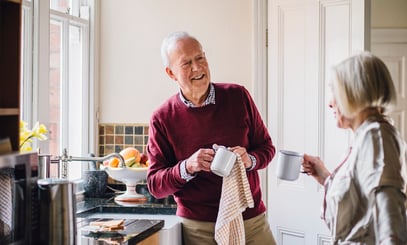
point(108, 205)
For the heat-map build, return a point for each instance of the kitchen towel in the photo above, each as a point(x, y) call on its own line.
point(235, 198)
point(6, 202)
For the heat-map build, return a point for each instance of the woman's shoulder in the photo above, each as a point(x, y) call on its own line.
point(374, 127)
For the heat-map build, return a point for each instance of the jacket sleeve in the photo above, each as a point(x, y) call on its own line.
point(390, 216)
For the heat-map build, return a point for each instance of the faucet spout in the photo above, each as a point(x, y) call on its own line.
point(99, 159)
point(64, 159)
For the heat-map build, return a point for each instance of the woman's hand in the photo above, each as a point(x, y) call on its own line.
point(315, 167)
point(200, 161)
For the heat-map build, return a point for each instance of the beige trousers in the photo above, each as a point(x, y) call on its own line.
point(257, 231)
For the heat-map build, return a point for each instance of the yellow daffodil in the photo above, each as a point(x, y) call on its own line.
point(39, 132)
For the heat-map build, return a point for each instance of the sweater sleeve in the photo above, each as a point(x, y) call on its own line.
point(261, 145)
point(163, 176)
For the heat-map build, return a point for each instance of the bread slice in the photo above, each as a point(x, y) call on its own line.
point(110, 225)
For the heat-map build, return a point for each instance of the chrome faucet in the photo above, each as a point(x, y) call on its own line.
point(64, 159)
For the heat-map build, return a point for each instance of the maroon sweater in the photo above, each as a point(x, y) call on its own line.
point(177, 131)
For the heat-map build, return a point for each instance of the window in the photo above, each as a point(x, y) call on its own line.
point(26, 54)
point(60, 88)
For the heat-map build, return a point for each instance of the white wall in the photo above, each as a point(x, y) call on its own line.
point(132, 78)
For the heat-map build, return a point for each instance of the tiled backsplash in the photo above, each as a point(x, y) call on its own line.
point(116, 137)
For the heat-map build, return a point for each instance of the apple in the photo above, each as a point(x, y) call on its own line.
point(143, 158)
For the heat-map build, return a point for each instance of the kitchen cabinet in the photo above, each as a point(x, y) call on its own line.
point(10, 52)
point(151, 240)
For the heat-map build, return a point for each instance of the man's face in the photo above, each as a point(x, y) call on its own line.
point(188, 66)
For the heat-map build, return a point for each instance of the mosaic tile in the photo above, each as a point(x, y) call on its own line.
point(109, 139)
point(101, 130)
point(138, 139)
point(108, 149)
point(109, 129)
point(138, 130)
point(128, 130)
point(118, 148)
point(101, 140)
point(115, 137)
point(118, 139)
point(140, 148)
point(119, 129)
point(128, 139)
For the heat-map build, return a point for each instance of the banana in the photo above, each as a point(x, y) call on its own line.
point(130, 162)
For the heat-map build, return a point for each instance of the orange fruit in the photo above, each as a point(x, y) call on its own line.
point(114, 162)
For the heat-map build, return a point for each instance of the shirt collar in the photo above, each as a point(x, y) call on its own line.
point(209, 100)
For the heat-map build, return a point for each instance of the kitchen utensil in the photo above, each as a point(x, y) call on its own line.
point(57, 211)
point(94, 180)
point(44, 166)
point(94, 183)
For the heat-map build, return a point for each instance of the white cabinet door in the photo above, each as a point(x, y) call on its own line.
point(306, 38)
point(391, 46)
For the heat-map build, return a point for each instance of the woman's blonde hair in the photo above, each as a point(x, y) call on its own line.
point(363, 81)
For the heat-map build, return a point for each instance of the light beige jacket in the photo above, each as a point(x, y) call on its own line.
point(365, 197)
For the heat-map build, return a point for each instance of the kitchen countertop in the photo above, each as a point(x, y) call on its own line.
point(141, 219)
point(108, 205)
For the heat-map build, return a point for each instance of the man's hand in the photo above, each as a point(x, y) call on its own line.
point(200, 161)
point(241, 151)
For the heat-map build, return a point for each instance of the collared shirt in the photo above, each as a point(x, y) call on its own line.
point(209, 100)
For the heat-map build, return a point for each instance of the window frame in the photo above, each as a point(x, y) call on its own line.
point(35, 75)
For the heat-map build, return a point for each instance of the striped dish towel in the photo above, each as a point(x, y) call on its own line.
point(235, 198)
point(6, 202)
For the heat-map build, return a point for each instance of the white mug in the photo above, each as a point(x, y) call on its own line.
point(289, 165)
point(223, 162)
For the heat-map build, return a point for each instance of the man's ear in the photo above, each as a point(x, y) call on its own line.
point(170, 73)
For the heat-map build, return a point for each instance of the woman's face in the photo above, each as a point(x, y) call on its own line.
point(341, 120)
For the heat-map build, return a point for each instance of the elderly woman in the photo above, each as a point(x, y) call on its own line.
point(365, 195)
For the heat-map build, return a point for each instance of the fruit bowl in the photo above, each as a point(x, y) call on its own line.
point(130, 177)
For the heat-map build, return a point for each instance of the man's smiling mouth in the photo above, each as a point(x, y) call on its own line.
point(198, 77)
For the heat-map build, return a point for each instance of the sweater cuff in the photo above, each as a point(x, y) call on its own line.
point(184, 174)
point(254, 162)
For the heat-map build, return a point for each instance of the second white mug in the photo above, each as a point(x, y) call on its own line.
point(289, 165)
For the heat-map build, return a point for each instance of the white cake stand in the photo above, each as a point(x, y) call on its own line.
point(130, 177)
